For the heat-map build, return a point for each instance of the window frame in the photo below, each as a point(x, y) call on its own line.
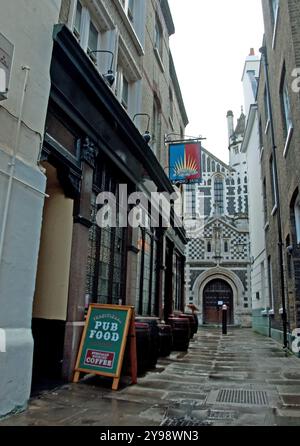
point(267, 110)
point(274, 12)
point(273, 184)
point(128, 6)
point(297, 219)
point(219, 180)
point(286, 111)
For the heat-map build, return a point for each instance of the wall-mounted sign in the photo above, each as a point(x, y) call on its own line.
point(6, 57)
point(185, 163)
point(104, 340)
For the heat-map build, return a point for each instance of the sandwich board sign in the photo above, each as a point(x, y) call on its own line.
point(102, 348)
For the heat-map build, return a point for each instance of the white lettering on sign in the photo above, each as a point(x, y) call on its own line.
point(106, 331)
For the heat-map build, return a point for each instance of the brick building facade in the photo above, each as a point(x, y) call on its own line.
point(278, 108)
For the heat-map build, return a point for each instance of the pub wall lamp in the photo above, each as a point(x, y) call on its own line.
point(109, 76)
point(146, 135)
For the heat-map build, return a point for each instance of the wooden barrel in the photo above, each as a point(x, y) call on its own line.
point(165, 339)
point(181, 332)
point(191, 318)
point(196, 322)
point(154, 338)
point(142, 346)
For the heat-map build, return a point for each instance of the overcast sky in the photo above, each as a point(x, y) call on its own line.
point(209, 47)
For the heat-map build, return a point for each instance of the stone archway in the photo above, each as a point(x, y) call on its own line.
point(231, 279)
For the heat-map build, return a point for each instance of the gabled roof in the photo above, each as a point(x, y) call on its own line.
point(222, 163)
point(223, 222)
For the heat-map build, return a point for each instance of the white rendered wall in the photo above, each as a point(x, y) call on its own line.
point(28, 25)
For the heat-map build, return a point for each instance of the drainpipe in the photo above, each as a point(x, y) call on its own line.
point(263, 51)
point(12, 165)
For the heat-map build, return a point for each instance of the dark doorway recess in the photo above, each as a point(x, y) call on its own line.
point(215, 292)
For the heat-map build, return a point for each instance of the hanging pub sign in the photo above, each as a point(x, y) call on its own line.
point(185, 163)
point(102, 348)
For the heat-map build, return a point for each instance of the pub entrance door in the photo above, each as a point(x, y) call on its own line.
point(214, 293)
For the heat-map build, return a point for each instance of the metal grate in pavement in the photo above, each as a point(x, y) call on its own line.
point(236, 396)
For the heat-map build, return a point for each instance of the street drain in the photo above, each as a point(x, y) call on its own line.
point(184, 422)
point(249, 397)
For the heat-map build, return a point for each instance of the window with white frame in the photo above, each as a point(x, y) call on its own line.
point(122, 88)
point(156, 127)
point(158, 43)
point(267, 107)
point(285, 105)
point(274, 4)
point(171, 99)
point(87, 31)
point(78, 20)
point(128, 6)
point(260, 132)
point(273, 182)
point(270, 279)
point(93, 42)
point(297, 218)
point(190, 200)
point(125, 92)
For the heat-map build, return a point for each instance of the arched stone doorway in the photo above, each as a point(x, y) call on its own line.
point(215, 292)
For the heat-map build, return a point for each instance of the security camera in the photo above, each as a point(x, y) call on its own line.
point(290, 250)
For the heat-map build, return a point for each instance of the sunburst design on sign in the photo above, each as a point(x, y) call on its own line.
point(185, 167)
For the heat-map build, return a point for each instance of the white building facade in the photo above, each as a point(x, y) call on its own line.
point(261, 306)
point(22, 184)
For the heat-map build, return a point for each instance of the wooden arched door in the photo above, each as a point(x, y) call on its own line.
point(214, 293)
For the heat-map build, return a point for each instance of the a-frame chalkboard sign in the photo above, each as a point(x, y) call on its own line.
point(107, 330)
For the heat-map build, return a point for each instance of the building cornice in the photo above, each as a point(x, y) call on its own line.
point(177, 89)
point(164, 4)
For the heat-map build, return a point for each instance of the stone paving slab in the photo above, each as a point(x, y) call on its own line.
point(184, 386)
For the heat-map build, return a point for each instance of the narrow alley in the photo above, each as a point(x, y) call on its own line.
point(242, 379)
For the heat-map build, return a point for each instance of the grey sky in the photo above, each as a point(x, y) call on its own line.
point(209, 47)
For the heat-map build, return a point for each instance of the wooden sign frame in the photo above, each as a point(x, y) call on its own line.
point(128, 334)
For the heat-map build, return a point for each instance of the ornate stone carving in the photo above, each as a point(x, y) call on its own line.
point(89, 152)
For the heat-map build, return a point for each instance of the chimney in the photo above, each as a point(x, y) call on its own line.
point(252, 52)
point(230, 123)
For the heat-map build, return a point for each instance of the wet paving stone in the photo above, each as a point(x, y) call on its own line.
point(184, 389)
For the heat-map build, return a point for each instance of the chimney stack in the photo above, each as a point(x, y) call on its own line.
point(230, 123)
point(252, 52)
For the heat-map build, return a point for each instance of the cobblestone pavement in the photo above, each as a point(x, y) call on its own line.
point(242, 379)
